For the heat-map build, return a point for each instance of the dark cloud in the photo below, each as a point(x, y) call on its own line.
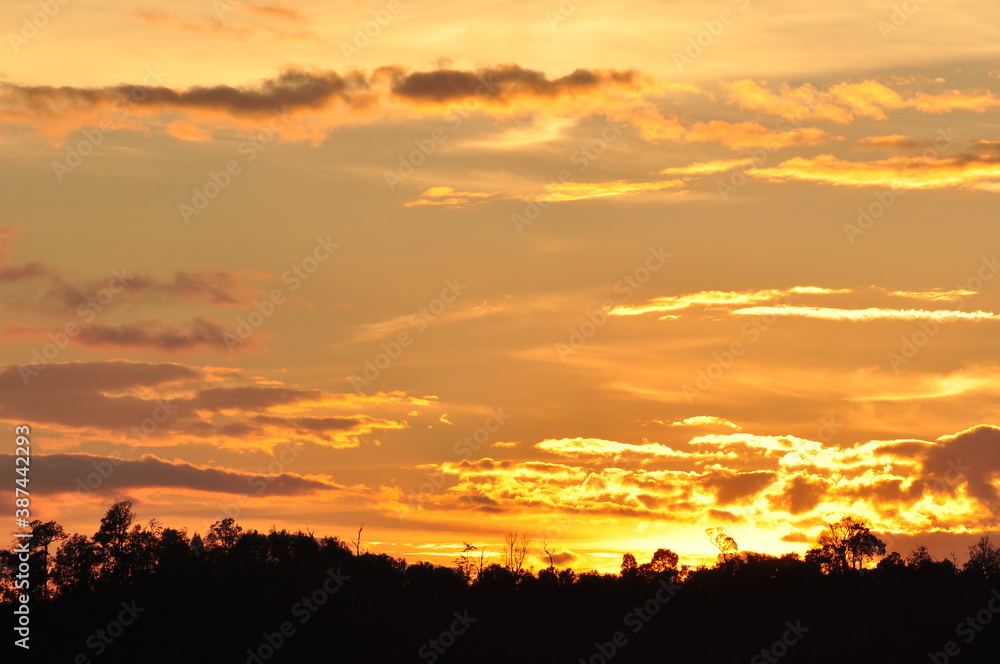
point(972, 458)
point(8, 272)
point(74, 393)
point(100, 394)
point(559, 558)
point(723, 515)
point(796, 536)
point(501, 82)
point(87, 376)
point(485, 463)
point(731, 487)
point(802, 495)
point(215, 287)
point(57, 473)
point(23, 271)
point(479, 503)
point(313, 423)
point(154, 335)
point(297, 89)
point(292, 89)
point(883, 492)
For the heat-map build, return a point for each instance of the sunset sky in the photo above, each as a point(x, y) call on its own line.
point(610, 273)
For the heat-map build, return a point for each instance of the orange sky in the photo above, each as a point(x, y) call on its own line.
point(608, 273)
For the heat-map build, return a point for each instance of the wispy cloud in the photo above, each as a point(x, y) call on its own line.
point(869, 314)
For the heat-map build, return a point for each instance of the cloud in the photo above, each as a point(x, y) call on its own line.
point(550, 193)
point(779, 482)
point(558, 558)
point(971, 171)
point(596, 447)
point(869, 314)
point(215, 288)
point(65, 473)
point(716, 298)
point(707, 167)
point(803, 102)
point(129, 402)
point(780, 303)
point(143, 335)
point(970, 458)
point(448, 197)
point(939, 295)
point(705, 421)
point(18, 272)
point(306, 105)
point(277, 11)
point(508, 82)
point(890, 142)
point(575, 191)
point(843, 102)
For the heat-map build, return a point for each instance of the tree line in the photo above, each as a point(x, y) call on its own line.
point(136, 592)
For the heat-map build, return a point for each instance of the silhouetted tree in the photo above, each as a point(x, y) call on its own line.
point(515, 550)
point(112, 540)
point(43, 535)
point(245, 582)
point(76, 565)
point(893, 561)
point(984, 560)
point(223, 534)
point(664, 562)
point(545, 548)
point(919, 558)
point(724, 543)
point(848, 544)
point(466, 564)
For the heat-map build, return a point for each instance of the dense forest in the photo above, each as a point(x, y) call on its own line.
point(150, 594)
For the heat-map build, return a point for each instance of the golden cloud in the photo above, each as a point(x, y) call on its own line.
point(896, 172)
